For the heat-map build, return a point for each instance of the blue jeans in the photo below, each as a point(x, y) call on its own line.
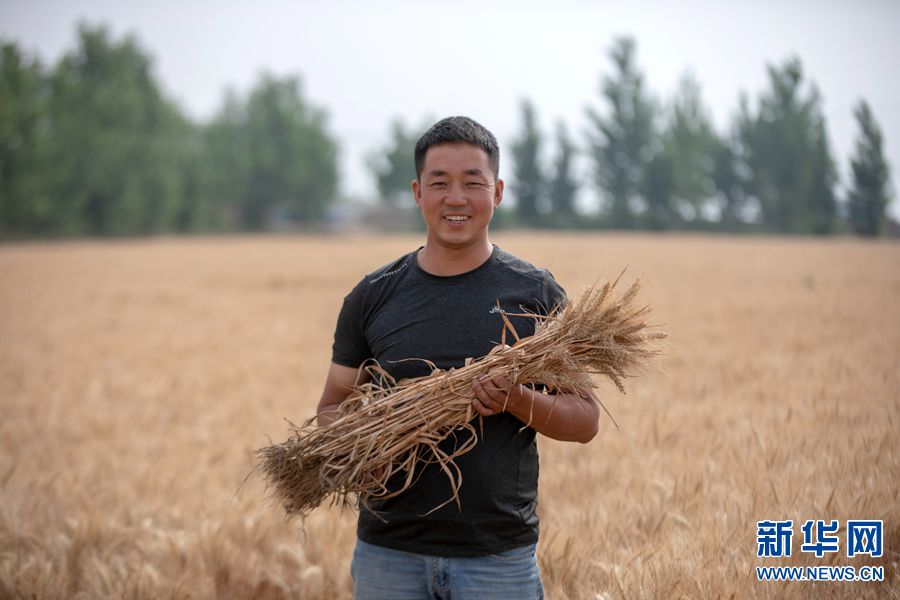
point(385, 574)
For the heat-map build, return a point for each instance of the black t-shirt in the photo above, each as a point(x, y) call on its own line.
point(401, 312)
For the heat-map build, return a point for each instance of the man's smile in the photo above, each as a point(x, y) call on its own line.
point(456, 218)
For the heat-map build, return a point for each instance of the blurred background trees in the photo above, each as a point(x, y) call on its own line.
point(563, 184)
point(270, 158)
point(621, 141)
point(785, 147)
point(93, 146)
point(116, 144)
point(528, 183)
point(689, 144)
point(392, 166)
point(870, 188)
point(24, 144)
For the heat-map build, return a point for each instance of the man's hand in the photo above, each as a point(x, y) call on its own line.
point(495, 394)
point(566, 417)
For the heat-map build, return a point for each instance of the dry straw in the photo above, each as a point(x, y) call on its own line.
point(383, 430)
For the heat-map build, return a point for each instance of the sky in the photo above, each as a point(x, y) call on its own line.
point(366, 63)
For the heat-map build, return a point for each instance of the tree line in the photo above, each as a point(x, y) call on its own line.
point(665, 167)
point(92, 146)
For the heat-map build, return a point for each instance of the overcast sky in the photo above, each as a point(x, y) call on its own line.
point(367, 62)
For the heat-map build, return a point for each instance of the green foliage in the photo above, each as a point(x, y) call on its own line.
point(271, 156)
point(786, 149)
point(821, 200)
point(870, 193)
point(564, 185)
point(730, 187)
point(689, 143)
point(222, 176)
point(393, 166)
point(24, 201)
point(91, 146)
point(621, 143)
point(117, 143)
point(658, 187)
point(528, 178)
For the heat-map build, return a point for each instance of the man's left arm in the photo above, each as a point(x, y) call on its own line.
point(565, 417)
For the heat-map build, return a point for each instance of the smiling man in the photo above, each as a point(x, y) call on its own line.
point(439, 303)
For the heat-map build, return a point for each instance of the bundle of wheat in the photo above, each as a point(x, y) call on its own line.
point(389, 427)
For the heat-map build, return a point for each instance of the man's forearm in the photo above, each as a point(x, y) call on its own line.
point(565, 417)
point(341, 381)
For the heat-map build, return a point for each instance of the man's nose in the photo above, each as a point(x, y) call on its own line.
point(456, 195)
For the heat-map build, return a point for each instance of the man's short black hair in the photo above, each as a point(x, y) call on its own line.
point(455, 130)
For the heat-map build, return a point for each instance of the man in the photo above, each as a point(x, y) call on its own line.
point(439, 303)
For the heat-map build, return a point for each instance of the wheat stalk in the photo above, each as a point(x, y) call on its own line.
point(389, 427)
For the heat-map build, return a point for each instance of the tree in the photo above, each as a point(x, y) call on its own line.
point(563, 186)
point(658, 187)
point(689, 141)
point(528, 178)
point(200, 210)
point(24, 201)
point(225, 162)
point(730, 187)
point(821, 199)
point(94, 147)
point(870, 192)
point(293, 158)
point(271, 155)
point(393, 166)
point(117, 141)
point(621, 142)
point(786, 149)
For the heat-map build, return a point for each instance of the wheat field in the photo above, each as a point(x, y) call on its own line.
point(137, 378)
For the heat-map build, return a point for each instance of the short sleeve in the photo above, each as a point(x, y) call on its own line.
point(553, 294)
point(350, 347)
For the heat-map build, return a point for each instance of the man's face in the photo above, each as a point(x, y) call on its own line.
point(457, 194)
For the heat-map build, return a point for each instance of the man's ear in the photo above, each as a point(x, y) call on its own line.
point(417, 197)
point(498, 193)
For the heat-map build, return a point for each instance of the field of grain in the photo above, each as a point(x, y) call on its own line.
point(138, 377)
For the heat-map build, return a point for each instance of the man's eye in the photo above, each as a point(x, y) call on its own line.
point(474, 184)
point(438, 184)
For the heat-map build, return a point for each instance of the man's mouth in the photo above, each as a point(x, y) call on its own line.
point(456, 218)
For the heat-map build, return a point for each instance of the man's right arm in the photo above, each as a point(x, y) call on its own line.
point(338, 385)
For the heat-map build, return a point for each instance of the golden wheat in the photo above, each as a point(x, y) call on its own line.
point(136, 378)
